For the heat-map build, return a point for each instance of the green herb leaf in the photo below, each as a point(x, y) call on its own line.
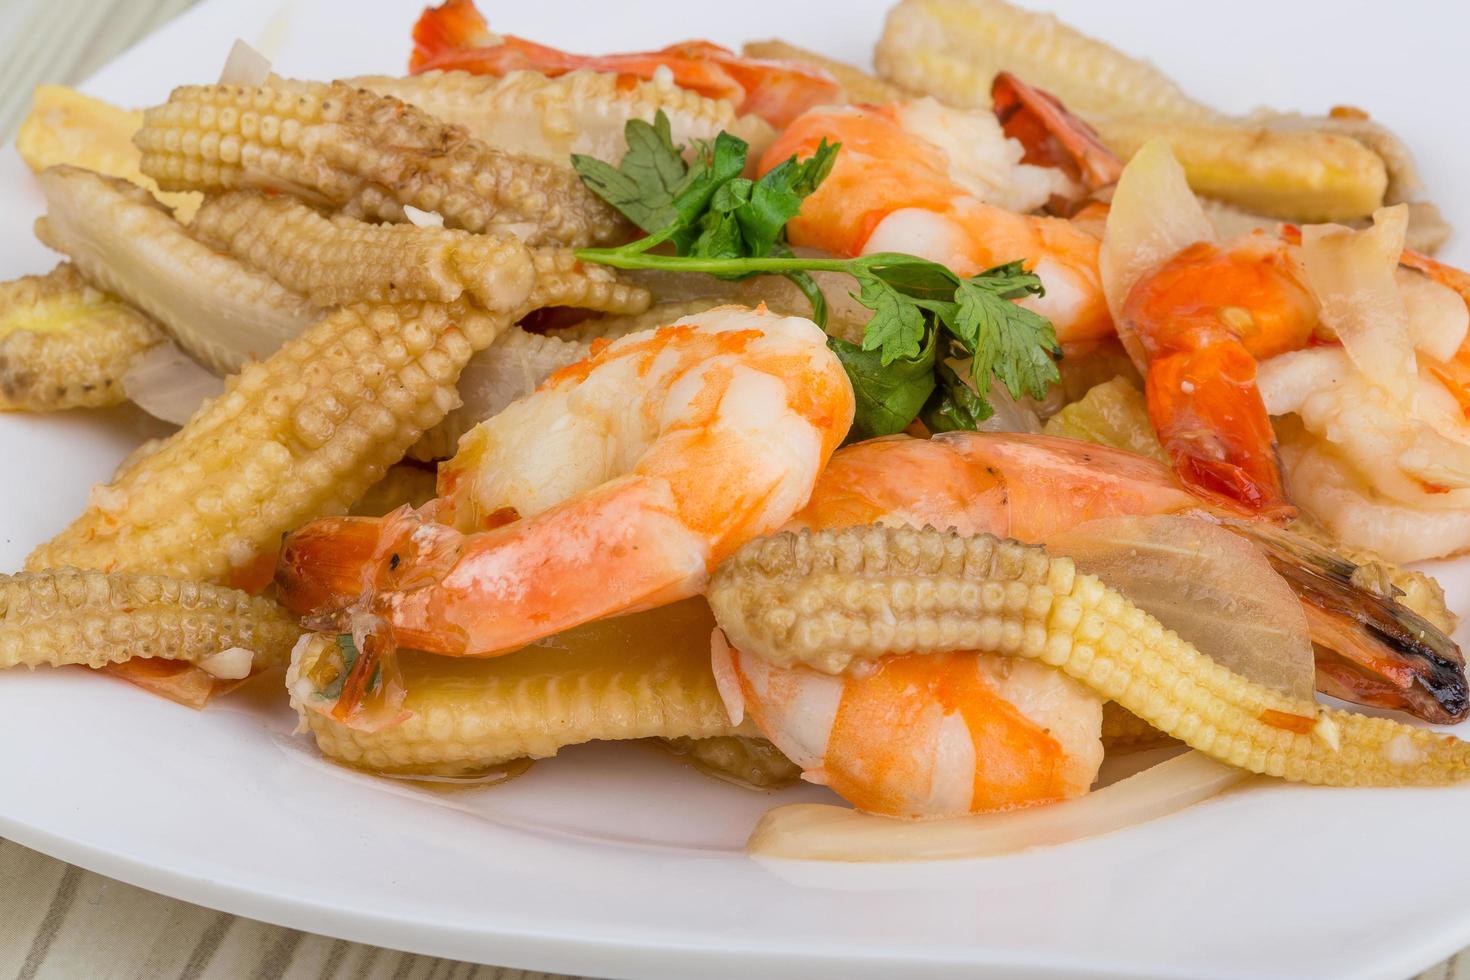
point(888, 395)
point(348, 650)
point(897, 327)
point(777, 196)
point(1014, 344)
point(954, 404)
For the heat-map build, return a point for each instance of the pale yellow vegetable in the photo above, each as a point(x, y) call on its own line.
point(1125, 731)
point(368, 154)
point(404, 483)
point(66, 127)
point(830, 598)
point(1111, 414)
point(298, 436)
point(579, 112)
point(751, 762)
point(338, 260)
point(640, 676)
point(220, 312)
point(64, 344)
point(76, 616)
point(563, 280)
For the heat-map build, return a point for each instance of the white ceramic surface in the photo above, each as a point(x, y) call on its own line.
point(616, 861)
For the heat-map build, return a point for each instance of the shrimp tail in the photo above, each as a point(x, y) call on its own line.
point(1212, 421)
point(1052, 136)
point(1371, 649)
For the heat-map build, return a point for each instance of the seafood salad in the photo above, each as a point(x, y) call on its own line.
point(939, 435)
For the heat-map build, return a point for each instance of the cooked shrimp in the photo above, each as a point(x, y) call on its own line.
point(615, 487)
point(1370, 648)
point(455, 36)
point(1202, 321)
point(947, 185)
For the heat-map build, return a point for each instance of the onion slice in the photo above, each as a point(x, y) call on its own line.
point(820, 832)
point(245, 66)
point(1153, 217)
point(169, 384)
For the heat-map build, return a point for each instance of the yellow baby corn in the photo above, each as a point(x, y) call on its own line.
point(298, 436)
point(640, 676)
point(1123, 731)
point(64, 344)
point(67, 127)
point(952, 49)
point(856, 84)
point(340, 260)
point(579, 112)
point(220, 312)
point(1300, 175)
point(829, 598)
point(751, 762)
point(75, 616)
point(563, 280)
point(368, 154)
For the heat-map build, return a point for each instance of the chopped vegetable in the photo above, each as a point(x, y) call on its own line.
point(640, 676)
point(370, 154)
point(301, 434)
point(122, 240)
point(64, 344)
point(68, 128)
point(75, 616)
point(740, 759)
point(169, 384)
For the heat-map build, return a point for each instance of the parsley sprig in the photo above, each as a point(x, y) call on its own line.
point(721, 223)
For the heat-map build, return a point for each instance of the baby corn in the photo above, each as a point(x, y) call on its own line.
point(952, 49)
point(298, 436)
point(64, 344)
point(67, 127)
point(366, 153)
point(340, 260)
point(641, 676)
point(827, 599)
point(75, 616)
point(1124, 731)
point(579, 112)
point(563, 280)
point(220, 312)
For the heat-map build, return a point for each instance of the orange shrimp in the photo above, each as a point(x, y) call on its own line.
point(946, 185)
point(1203, 320)
point(614, 487)
point(454, 36)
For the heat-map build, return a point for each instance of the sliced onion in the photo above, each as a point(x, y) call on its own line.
point(819, 832)
point(1154, 216)
point(1352, 275)
point(169, 384)
point(1209, 585)
point(245, 66)
point(1438, 317)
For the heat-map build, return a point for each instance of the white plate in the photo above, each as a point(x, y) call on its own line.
point(614, 861)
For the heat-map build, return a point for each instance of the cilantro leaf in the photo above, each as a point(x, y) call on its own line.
point(897, 327)
point(715, 166)
point(643, 185)
point(1016, 345)
point(887, 395)
point(954, 404)
point(776, 198)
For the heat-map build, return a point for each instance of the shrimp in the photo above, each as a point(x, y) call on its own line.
point(454, 36)
point(946, 185)
point(1202, 320)
point(614, 487)
point(966, 732)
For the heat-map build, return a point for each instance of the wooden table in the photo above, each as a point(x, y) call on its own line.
point(58, 921)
